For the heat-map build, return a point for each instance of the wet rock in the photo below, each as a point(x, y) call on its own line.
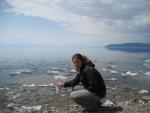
point(146, 98)
point(123, 104)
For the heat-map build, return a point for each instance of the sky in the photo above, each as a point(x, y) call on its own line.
point(74, 22)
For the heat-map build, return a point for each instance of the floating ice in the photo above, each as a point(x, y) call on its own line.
point(33, 85)
point(73, 71)
point(129, 73)
point(113, 66)
point(112, 88)
point(143, 91)
point(113, 71)
point(108, 103)
point(52, 72)
point(29, 85)
point(147, 60)
point(147, 63)
point(21, 71)
point(105, 69)
point(46, 85)
point(147, 73)
point(15, 73)
point(1, 88)
point(60, 77)
point(4, 88)
point(111, 79)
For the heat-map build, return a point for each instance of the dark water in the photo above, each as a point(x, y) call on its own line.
point(128, 69)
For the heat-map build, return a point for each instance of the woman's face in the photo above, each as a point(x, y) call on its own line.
point(77, 63)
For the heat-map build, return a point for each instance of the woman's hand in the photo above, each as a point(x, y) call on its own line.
point(60, 84)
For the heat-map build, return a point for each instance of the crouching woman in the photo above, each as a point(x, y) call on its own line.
point(92, 81)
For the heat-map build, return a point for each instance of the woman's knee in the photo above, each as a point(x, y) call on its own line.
point(73, 95)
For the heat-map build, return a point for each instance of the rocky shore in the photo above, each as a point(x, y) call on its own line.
point(125, 100)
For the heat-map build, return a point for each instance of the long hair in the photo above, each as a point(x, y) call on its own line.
point(81, 57)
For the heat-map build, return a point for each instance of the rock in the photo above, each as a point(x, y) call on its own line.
point(123, 104)
point(146, 98)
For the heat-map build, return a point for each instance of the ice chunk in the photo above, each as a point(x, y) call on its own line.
point(105, 69)
point(41, 85)
point(60, 77)
point(129, 73)
point(113, 71)
point(111, 79)
point(143, 91)
point(147, 60)
point(108, 103)
point(72, 71)
point(30, 85)
point(21, 71)
point(52, 72)
point(147, 73)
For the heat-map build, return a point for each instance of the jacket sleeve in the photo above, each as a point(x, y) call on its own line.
point(72, 82)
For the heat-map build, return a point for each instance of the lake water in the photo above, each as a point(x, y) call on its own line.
point(39, 60)
point(119, 69)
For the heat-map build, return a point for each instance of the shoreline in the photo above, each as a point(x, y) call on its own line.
point(125, 100)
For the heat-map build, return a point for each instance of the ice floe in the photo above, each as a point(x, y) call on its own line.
point(60, 77)
point(147, 63)
point(33, 85)
point(147, 73)
point(143, 91)
point(113, 66)
point(111, 79)
point(104, 69)
point(4, 88)
point(53, 72)
point(73, 71)
point(129, 73)
point(113, 71)
point(147, 60)
point(21, 71)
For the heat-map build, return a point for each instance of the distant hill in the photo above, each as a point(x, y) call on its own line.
point(130, 47)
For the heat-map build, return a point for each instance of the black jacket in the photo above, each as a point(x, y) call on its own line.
point(90, 78)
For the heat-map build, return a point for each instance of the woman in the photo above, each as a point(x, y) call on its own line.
point(94, 86)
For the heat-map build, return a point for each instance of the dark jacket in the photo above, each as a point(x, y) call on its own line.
point(90, 78)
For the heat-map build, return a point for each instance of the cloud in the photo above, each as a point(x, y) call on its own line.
point(89, 16)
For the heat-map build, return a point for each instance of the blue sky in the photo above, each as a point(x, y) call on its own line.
point(74, 22)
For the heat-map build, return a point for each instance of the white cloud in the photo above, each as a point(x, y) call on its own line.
point(89, 16)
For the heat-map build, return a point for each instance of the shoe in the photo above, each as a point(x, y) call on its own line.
point(94, 109)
